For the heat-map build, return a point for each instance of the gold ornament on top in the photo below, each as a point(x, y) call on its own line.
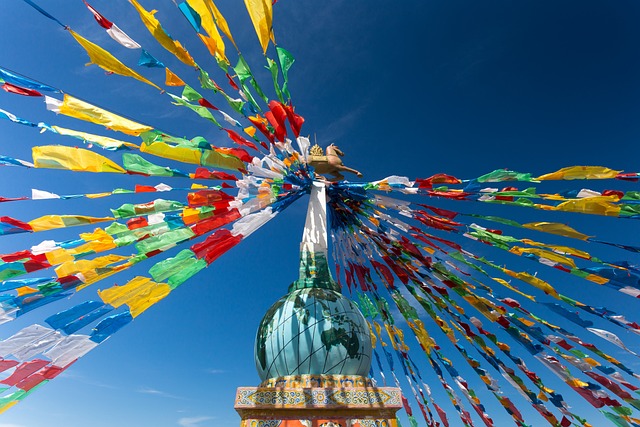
point(329, 163)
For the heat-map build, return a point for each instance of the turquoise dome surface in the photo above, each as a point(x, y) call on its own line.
point(313, 331)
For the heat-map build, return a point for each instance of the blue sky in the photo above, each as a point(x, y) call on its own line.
point(409, 88)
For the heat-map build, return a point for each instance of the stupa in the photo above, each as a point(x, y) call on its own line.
point(313, 350)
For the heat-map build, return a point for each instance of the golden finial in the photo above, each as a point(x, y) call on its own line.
point(316, 150)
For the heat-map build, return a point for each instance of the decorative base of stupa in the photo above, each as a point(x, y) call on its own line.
point(318, 401)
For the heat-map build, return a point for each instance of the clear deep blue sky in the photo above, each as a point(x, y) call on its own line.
point(409, 88)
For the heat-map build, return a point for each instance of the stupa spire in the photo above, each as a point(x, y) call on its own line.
point(314, 268)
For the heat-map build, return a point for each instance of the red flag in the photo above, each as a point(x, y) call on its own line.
point(12, 199)
point(231, 82)
point(207, 104)
point(104, 22)
point(628, 176)
point(204, 173)
point(238, 152)
point(20, 90)
point(215, 245)
point(24, 370)
point(7, 364)
point(15, 223)
point(145, 189)
point(138, 222)
point(240, 140)
point(449, 194)
point(295, 121)
point(439, 178)
point(281, 131)
point(400, 272)
point(216, 198)
point(384, 271)
point(439, 211)
point(209, 224)
point(17, 256)
point(442, 414)
point(279, 113)
point(262, 128)
point(620, 194)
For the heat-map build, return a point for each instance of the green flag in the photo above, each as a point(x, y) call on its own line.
point(244, 74)
point(286, 61)
point(273, 67)
point(199, 109)
point(135, 163)
point(504, 175)
point(190, 94)
point(205, 81)
point(165, 240)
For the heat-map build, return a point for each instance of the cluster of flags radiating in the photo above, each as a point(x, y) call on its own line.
point(399, 257)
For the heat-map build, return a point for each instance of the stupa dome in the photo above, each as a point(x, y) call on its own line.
point(313, 331)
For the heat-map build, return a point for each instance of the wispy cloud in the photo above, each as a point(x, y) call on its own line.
point(11, 425)
point(335, 130)
point(193, 421)
point(216, 371)
point(159, 393)
point(84, 380)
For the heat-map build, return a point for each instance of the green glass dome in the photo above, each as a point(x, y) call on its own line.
point(313, 331)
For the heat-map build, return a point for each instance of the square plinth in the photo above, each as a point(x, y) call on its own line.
point(312, 403)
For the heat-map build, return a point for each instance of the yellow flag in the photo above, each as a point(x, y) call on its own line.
point(192, 155)
point(25, 290)
point(182, 154)
point(172, 79)
point(72, 158)
point(98, 241)
point(206, 18)
point(599, 205)
point(391, 334)
point(96, 246)
point(221, 22)
point(215, 48)
point(421, 334)
point(156, 30)
point(139, 294)
point(250, 130)
point(577, 383)
point(509, 286)
point(97, 195)
point(551, 256)
point(597, 279)
point(73, 107)
point(374, 339)
point(195, 186)
point(580, 172)
point(559, 249)
point(95, 275)
point(102, 141)
point(86, 265)
point(208, 23)
point(190, 215)
point(106, 61)
point(50, 222)
point(556, 228)
point(261, 14)
point(58, 256)
point(217, 159)
point(9, 405)
point(534, 281)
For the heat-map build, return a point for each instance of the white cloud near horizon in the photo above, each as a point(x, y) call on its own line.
point(193, 421)
point(154, 392)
